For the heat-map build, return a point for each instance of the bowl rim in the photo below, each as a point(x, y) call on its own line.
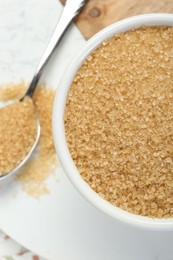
point(63, 153)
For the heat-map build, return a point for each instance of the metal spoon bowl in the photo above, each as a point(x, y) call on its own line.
point(70, 11)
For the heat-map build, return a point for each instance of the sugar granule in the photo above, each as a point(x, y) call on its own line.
point(42, 164)
point(119, 121)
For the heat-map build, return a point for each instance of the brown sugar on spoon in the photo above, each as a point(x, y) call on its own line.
point(119, 121)
point(18, 130)
point(43, 163)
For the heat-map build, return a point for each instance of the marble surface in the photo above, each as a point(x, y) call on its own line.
point(25, 29)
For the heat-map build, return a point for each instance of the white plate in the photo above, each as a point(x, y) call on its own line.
point(61, 225)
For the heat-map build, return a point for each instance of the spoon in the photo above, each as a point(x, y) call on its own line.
point(71, 9)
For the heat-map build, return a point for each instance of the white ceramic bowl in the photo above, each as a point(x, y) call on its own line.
point(58, 122)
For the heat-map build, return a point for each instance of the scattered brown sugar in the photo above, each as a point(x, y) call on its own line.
point(18, 131)
point(43, 163)
point(119, 121)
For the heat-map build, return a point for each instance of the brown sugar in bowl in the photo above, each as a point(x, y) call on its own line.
point(120, 205)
